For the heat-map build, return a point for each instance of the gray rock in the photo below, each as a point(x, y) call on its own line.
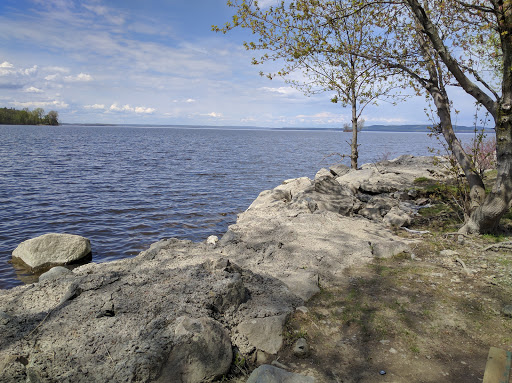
point(271, 374)
point(55, 272)
point(397, 218)
point(328, 185)
point(4, 318)
point(265, 334)
point(371, 213)
point(123, 320)
point(301, 347)
point(507, 311)
point(302, 283)
point(323, 173)
point(448, 253)
point(302, 309)
point(52, 249)
point(202, 352)
point(339, 170)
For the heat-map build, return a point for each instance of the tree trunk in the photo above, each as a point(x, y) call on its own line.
point(354, 155)
point(487, 217)
point(476, 185)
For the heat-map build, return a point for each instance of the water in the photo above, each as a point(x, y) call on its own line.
point(125, 188)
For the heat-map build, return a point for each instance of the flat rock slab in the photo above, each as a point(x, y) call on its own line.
point(266, 334)
point(136, 319)
point(52, 249)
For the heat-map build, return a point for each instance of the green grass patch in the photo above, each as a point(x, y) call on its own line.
point(495, 237)
point(422, 180)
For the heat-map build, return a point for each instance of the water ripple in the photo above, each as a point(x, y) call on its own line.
point(125, 188)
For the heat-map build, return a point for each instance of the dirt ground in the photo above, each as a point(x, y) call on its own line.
point(419, 317)
point(429, 315)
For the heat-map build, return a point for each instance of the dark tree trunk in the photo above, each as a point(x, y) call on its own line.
point(354, 155)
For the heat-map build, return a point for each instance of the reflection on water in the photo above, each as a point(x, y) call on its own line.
point(125, 188)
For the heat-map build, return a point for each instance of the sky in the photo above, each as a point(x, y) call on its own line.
point(158, 62)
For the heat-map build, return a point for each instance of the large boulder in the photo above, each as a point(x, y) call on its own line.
point(202, 352)
point(52, 249)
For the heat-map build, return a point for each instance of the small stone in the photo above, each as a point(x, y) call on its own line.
point(268, 373)
point(385, 341)
point(448, 253)
point(392, 350)
point(507, 311)
point(301, 347)
point(4, 318)
point(212, 240)
point(302, 309)
point(382, 372)
point(261, 357)
point(279, 365)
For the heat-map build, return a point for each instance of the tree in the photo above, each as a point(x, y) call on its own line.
point(26, 117)
point(315, 49)
point(52, 118)
point(434, 44)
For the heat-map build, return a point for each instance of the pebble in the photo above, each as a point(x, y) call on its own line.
point(301, 347)
point(392, 350)
point(448, 253)
point(302, 309)
point(507, 311)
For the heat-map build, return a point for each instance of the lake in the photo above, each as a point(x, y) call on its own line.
point(127, 187)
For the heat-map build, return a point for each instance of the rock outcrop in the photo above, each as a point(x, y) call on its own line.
point(52, 249)
point(180, 310)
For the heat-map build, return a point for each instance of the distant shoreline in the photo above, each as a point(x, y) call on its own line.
point(371, 128)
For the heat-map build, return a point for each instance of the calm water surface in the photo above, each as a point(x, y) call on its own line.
point(125, 188)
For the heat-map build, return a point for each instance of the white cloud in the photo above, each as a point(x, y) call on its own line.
point(285, 90)
point(58, 69)
point(29, 71)
point(6, 68)
point(127, 108)
point(6, 64)
point(383, 120)
point(51, 77)
point(190, 100)
point(40, 104)
point(103, 11)
point(95, 106)
point(33, 89)
point(117, 108)
point(141, 109)
point(214, 115)
point(82, 77)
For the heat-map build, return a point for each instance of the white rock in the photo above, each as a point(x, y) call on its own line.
point(51, 249)
point(212, 240)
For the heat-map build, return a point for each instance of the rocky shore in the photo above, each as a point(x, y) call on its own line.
point(192, 312)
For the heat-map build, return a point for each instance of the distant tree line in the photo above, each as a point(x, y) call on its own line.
point(11, 116)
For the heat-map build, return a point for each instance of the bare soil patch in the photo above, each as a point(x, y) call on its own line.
point(421, 317)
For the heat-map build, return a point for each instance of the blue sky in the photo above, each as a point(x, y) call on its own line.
point(156, 62)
